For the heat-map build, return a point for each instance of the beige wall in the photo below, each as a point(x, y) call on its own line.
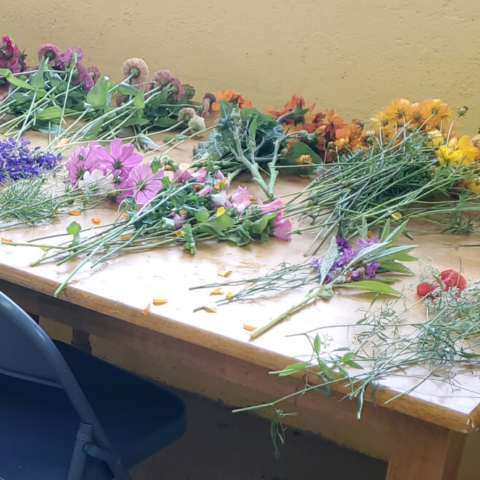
point(354, 56)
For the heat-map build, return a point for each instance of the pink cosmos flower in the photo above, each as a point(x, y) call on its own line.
point(240, 199)
point(50, 51)
point(205, 191)
point(179, 220)
point(121, 158)
point(85, 159)
point(182, 174)
point(277, 204)
point(282, 227)
point(137, 69)
point(9, 54)
point(142, 184)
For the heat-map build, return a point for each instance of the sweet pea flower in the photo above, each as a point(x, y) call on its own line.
point(200, 175)
point(121, 158)
point(205, 191)
point(182, 174)
point(240, 199)
point(282, 227)
point(142, 184)
point(277, 204)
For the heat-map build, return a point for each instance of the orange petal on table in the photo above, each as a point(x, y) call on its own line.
point(96, 220)
point(159, 301)
point(6, 240)
point(250, 328)
point(125, 237)
point(252, 198)
point(217, 291)
point(210, 308)
point(75, 213)
point(63, 141)
point(224, 273)
point(146, 310)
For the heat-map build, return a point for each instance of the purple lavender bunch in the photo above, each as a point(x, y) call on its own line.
point(18, 161)
point(345, 254)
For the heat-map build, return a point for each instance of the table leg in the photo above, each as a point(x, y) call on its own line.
point(81, 340)
point(424, 451)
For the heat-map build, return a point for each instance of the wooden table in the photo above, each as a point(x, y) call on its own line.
point(428, 427)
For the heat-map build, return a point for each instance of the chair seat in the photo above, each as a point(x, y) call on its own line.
point(38, 424)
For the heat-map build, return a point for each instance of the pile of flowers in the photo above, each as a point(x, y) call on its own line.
point(18, 161)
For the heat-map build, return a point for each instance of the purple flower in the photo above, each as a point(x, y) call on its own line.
point(371, 269)
point(182, 174)
point(9, 54)
point(17, 161)
point(342, 243)
point(355, 275)
point(282, 227)
point(163, 78)
point(205, 191)
point(178, 89)
point(200, 175)
point(121, 158)
point(94, 73)
point(49, 51)
point(82, 75)
point(366, 243)
point(142, 184)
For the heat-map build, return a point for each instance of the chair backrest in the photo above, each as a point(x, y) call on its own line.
point(26, 352)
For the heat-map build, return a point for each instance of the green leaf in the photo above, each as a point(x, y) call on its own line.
point(38, 81)
point(5, 72)
point(396, 267)
point(216, 225)
point(396, 234)
point(328, 259)
point(353, 364)
point(226, 108)
point(190, 243)
point(297, 150)
point(98, 95)
point(399, 253)
point(50, 113)
point(317, 344)
point(165, 122)
point(201, 216)
point(127, 89)
point(74, 229)
point(370, 286)
point(252, 130)
point(328, 372)
point(293, 368)
point(92, 128)
point(139, 100)
point(347, 357)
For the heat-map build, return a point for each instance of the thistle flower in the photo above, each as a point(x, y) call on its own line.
point(186, 114)
point(136, 69)
point(197, 123)
point(49, 51)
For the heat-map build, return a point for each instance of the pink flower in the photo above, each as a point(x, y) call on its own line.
point(9, 53)
point(200, 175)
point(182, 174)
point(207, 101)
point(50, 51)
point(277, 204)
point(186, 114)
point(82, 76)
point(282, 227)
point(240, 199)
point(142, 184)
point(94, 73)
point(121, 158)
point(65, 59)
point(163, 77)
point(178, 89)
point(136, 69)
point(179, 220)
point(85, 159)
point(205, 191)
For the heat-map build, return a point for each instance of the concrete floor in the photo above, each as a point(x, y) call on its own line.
point(219, 445)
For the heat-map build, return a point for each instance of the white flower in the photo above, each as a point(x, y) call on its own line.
point(197, 123)
point(220, 198)
point(96, 179)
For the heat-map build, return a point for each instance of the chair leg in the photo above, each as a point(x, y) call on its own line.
point(81, 340)
point(79, 457)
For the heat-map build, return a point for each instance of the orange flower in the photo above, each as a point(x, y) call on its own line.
point(436, 113)
point(416, 116)
point(398, 110)
point(334, 121)
point(297, 101)
point(230, 96)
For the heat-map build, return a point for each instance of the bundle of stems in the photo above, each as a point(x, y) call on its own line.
point(40, 199)
point(387, 344)
point(400, 178)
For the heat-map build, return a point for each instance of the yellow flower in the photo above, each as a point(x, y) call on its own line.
point(398, 110)
point(436, 138)
point(458, 151)
point(380, 123)
point(474, 186)
point(220, 211)
point(436, 113)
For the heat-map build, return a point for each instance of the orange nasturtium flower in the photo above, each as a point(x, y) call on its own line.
point(230, 96)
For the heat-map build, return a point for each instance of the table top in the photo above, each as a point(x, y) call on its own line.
point(123, 286)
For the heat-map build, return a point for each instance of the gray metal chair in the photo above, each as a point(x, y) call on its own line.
point(65, 415)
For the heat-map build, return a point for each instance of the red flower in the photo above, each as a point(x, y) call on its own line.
point(449, 278)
